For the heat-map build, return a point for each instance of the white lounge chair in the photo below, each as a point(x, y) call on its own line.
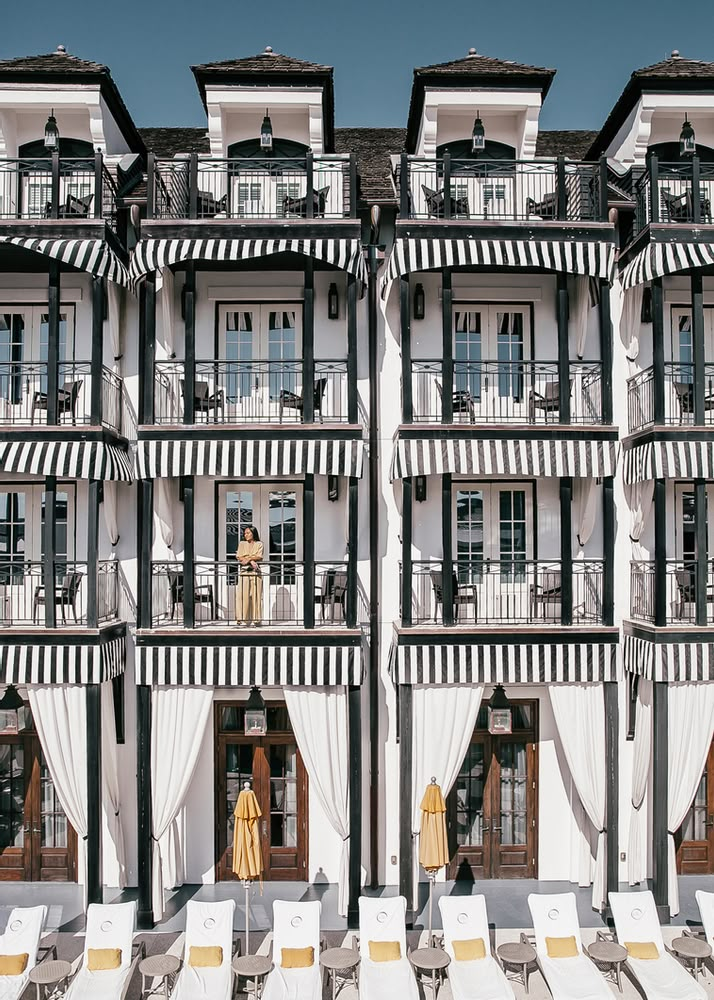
point(662, 978)
point(465, 918)
point(21, 937)
point(384, 919)
point(573, 978)
point(208, 925)
point(295, 925)
point(705, 902)
point(108, 926)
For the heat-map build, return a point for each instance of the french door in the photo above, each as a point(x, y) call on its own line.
point(273, 767)
point(683, 578)
point(491, 810)
point(680, 397)
point(491, 342)
point(695, 838)
point(24, 334)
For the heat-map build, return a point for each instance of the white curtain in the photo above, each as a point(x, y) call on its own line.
point(630, 322)
point(164, 510)
point(178, 724)
point(115, 311)
point(586, 501)
point(641, 757)
point(640, 499)
point(691, 726)
point(110, 786)
point(109, 506)
point(320, 723)
point(579, 711)
point(167, 311)
point(579, 312)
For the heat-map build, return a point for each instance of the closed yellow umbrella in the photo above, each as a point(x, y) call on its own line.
point(247, 856)
point(433, 846)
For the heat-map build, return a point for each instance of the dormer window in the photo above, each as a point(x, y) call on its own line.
point(266, 134)
point(687, 139)
point(478, 136)
point(52, 136)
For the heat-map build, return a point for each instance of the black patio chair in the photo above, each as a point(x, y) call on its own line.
point(435, 204)
point(294, 401)
point(66, 593)
point(462, 401)
point(463, 594)
point(203, 400)
point(202, 593)
point(67, 398)
point(547, 590)
point(333, 594)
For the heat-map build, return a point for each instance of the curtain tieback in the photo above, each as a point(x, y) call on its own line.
point(345, 839)
point(632, 360)
point(581, 543)
point(634, 540)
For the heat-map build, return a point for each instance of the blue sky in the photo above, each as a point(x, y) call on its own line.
point(373, 45)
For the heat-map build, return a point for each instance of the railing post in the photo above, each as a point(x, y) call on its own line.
point(354, 726)
point(96, 366)
point(144, 539)
point(93, 736)
point(189, 365)
point(447, 371)
point(700, 547)
point(145, 843)
point(447, 185)
point(310, 188)
point(406, 841)
point(602, 207)
point(189, 585)
point(696, 192)
point(308, 344)
point(660, 553)
point(308, 548)
point(654, 187)
point(562, 193)
point(352, 550)
point(55, 187)
point(53, 335)
point(404, 186)
point(352, 407)
point(193, 185)
point(612, 770)
point(147, 347)
point(49, 530)
point(447, 552)
point(605, 318)
point(660, 797)
point(698, 337)
point(93, 489)
point(150, 184)
point(406, 551)
point(98, 180)
point(353, 187)
point(658, 349)
point(405, 322)
point(562, 315)
point(566, 550)
point(608, 547)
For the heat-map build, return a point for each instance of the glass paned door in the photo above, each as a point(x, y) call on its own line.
point(683, 578)
point(695, 838)
point(24, 334)
point(679, 395)
point(491, 346)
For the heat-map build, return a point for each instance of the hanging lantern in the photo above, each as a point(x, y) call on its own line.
point(266, 134)
point(11, 702)
point(687, 139)
point(500, 713)
point(333, 302)
point(419, 302)
point(52, 135)
point(478, 136)
point(256, 715)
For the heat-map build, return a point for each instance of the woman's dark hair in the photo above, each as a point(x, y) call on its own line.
point(251, 527)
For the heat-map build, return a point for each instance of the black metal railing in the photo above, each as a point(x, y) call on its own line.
point(24, 395)
point(677, 406)
point(496, 392)
point(318, 186)
point(679, 193)
point(237, 392)
point(501, 190)
point(680, 585)
point(57, 187)
point(23, 595)
point(506, 592)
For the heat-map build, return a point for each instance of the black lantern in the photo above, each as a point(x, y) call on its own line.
point(500, 714)
point(687, 139)
point(419, 302)
point(12, 702)
point(256, 715)
point(420, 489)
point(52, 135)
point(333, 302)
point(478, 136)
point(266, 133)
point(333, 488)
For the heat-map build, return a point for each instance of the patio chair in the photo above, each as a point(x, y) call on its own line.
point(463, 594)
point(333, 593)
point(296, 973)
point(110, 928)
point(21, 939)
point(67, 398)
point(207, 207)
point(298, 206)
point(66, 593)
point(546, 590)
point(546, 208)
point(675, 207)
point(684, 392)
point(567, 970)
point(465, 921)
point(203, 400)
point(382, 923)
point(202, 593)
point(208, 952)
point(294, 401)
point(661, 977)
point(687, 590)
point(435, 204)
point(76, 207)
point(462, 401)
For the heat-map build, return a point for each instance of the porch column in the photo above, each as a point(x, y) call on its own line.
point(189, 587)
point(406, 842)
point(308, 549)
point(53, 334)
point(98, 303)
point(94, 793)
point(147, 347)
point(608, 550)
point(447, 553)
point(566, 550)
point(406, 601)
point(189, 366)
point(145, 913)
point(698, 345)
point(447, 371)
point(660, 799)
point(562, 311)
point(660, 553)
point(405, 324)
point(308, 342)
point(658, 349)
point(700, 544)
point(49, 546)
point(352, 550)
point(355, 746)
point(605, 318)
point(93, 495)
point(612, 772)
point(352, 409)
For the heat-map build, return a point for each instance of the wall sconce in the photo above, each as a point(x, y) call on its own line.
point(646, 308)
point(419, 302)
point(52, 136)
point(478, 136)
point(256, 714)
point(266, 133)
point(420, 489)
point(500, 713)
point(333, 488)
point(333, 302)
point(687, 139)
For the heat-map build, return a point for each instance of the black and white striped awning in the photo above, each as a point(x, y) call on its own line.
point(669, 661)
point(669, 460)
point(503, 457)
point(93, 256)
point(507, 663)
point(243, 459)
point(244, 666)
point(154, 254)
point(596, 259)
point(659, 259)
point(39, 663)
point(71, 459)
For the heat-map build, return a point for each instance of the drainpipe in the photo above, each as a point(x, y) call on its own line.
point(373, 266)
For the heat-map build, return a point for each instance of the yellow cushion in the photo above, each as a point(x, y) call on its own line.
point(297, 958)
point(103, 959)
point(469, 950)
point(208, 957)
point(642, 949)
point(562, 947)
point(385, 951)
point(13, 965)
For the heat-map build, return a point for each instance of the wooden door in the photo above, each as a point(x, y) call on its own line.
point(695, 838)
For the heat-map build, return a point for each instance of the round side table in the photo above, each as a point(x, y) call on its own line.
point(49, 975)
point(430, 961)
point(608, 956)
point(254, 967)
point(342, 963)
point(160, 967)
point(519, 955)
point(693, 950)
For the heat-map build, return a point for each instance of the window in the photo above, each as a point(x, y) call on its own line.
point(12, 342)
point(12, 537)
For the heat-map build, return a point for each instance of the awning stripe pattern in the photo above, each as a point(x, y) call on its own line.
point(93, 256)
point(529, 663)
point(596, 258)
point(73, 459)
point(659, 259)
point(669, 661)
point(669, 460)
point(38, 663)
point(244, 666)
point(167, 459)
point(154, 254)
point(425, 457)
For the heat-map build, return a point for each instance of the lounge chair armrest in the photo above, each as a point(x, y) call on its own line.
point(695, 932)
point(605, 936)
point(236, 945)
point(527, 938)
point(139, 948)
point(50, 950)
point(323, 943)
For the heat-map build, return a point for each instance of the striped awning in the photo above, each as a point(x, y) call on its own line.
point(39, 663)
point(507, 663)
point(669, 460)
point(659, 259)
point(669, 661)
point(241, 459)
point(153, 254)
point(425, 457)
point(93, 256)
point(596, 259)
point(71, 459)
point(244, 666)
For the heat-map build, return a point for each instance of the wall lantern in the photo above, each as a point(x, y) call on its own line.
point(266, 133)
point(333, 302)
point(256, 715)
point(478, 136)
point(420, 489)
point(500, 714)
point(419, 302)
point(52, 135)
point(333, 488)
point(12, 702)
point(646, 308)
point(687, 139)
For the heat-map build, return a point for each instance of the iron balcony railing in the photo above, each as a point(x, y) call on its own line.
point(498, 392)
point(677, 406)
point(202, 187)
point(506, 592)
point(680, 193)
point(501, 190)
point(239, 392)
point(25, 399)
point(23, 595)
point(680, 585)
point(55, 187)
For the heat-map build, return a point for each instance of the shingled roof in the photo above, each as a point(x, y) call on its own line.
point(475, 64)
point(60, 62)
point(372, 148)
point(167, 141)
point(265, 62)
point(573, 143)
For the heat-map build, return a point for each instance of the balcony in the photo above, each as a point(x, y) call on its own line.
point(680, 583)
point(57, 188)
point(250, 392)
point(507, 392)
point(678, 396)
point(500, 190)
point(201, 187)
point(517, 592)
point(24, 400)
point(23, 593)
point(678, 194)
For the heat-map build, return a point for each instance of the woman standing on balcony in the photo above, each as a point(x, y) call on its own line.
point(249, 594)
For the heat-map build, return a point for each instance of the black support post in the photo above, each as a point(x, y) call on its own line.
point(308, 549)
point(355, 841)
point(98, 301)
point(605, 318)
point(189, 590)
point(701, 561)
point(352, 550)
point(53, 336)
point(660, 554)
point(447, 552)
point(660, 798)
point(612, 804)
point(94, 793)
point(145, 538)
point(147, 347)
point(566, 550)
point(447, 310)
point(562, 313)
point(49, 547)
point(374, 564)
point(352, 413)
point(93, 488)
point(658, 349)
point(698, 346)
point(145, 843)
point(308, 342)
point(189, 365)
point(608, 550)
point(405, 322)
point(406, 601)
point(406, 843)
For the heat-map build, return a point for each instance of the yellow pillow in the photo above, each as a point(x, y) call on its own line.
point(13, 965)
point(642, 949)
point(297, 958)
point(565, 947)
point(103, 959)
point(469, 950)
point(208, 957)
point(385, 951)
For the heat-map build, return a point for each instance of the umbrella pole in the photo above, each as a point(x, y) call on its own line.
point(432, 877)
point(247, 918)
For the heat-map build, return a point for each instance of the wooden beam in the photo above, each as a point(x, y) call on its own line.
point(566, 550)
point(93, 490)
point(405, 322)
point(660, 553)
point(562, 316)
point(355, 842)
point(49, 546)
point(698, 336)
point(308, 342)
point(605, 321)
point(308, 549)
point(660, 798)
point(612, 736)
point(658, 349)
point(145, 843)
point(53, 337)
point(352, 550)
point(406, 843)
point(447, 552)
point(98, 301)
point(189, 588)
point(352, 402)
point(189, 365)
point(447, 370)
point(94, 793)
point(406, 601)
